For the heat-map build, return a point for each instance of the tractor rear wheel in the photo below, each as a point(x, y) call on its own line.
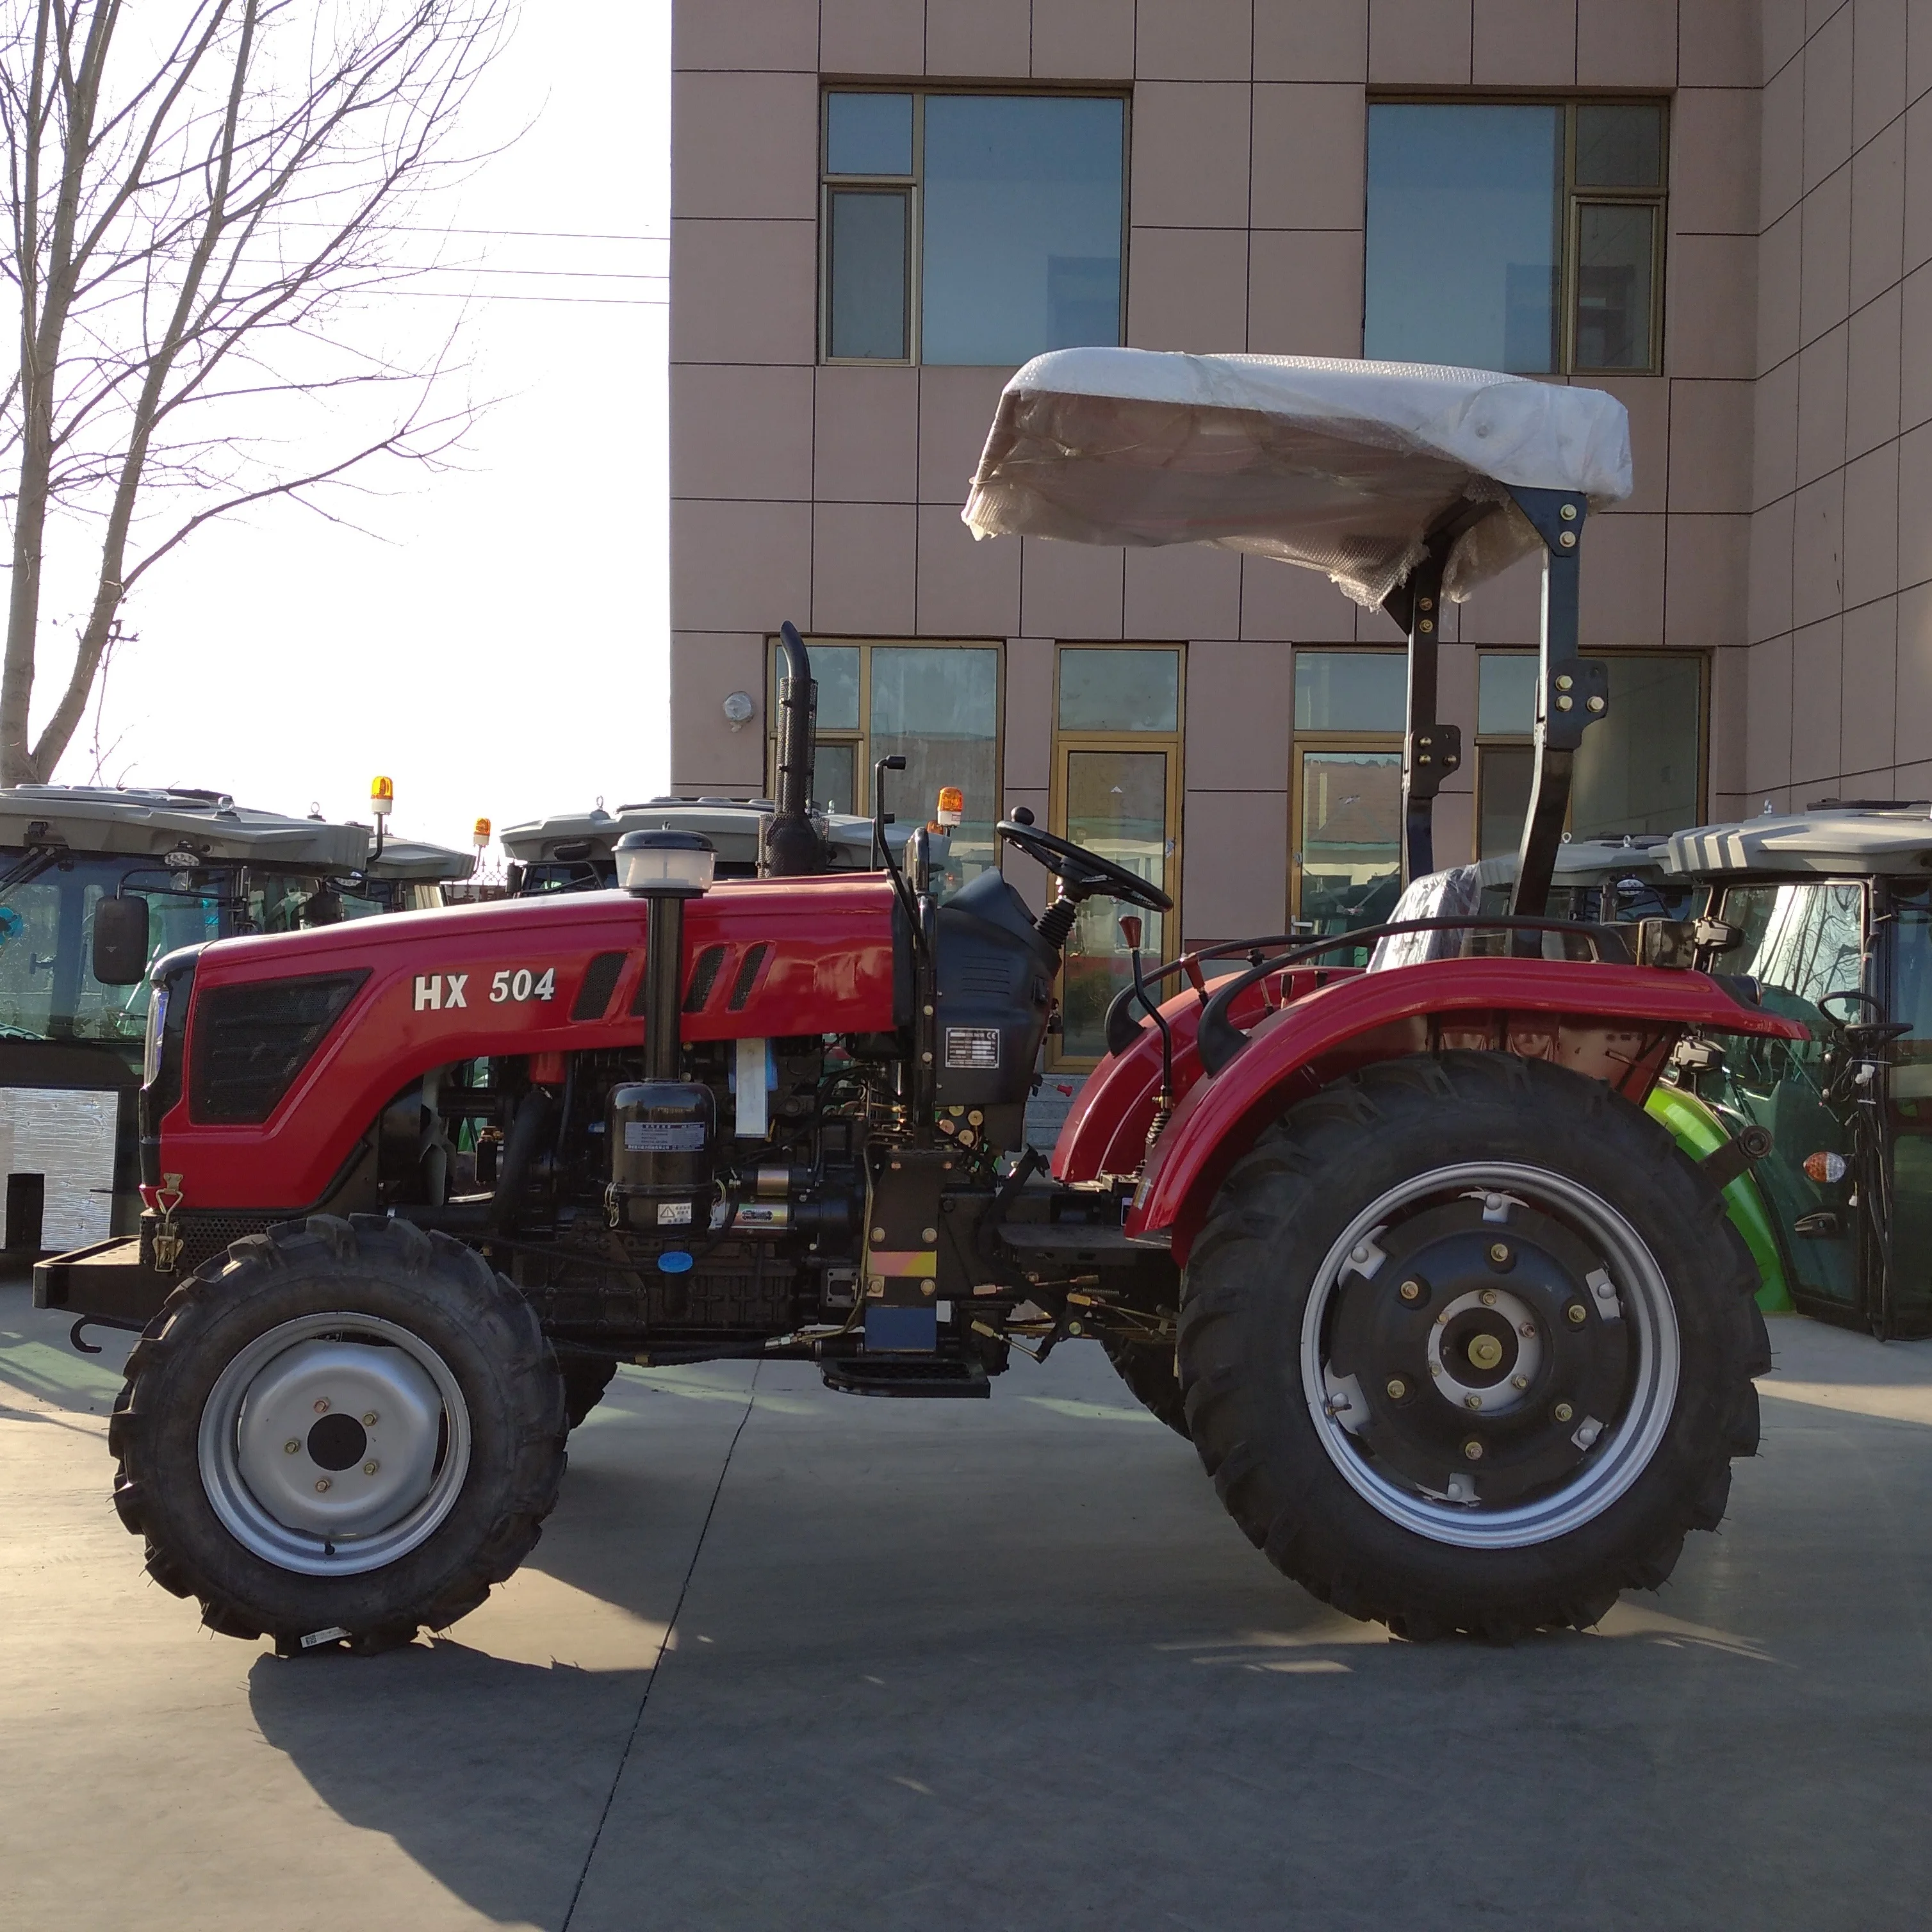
point(1466, 1344)
point(585, 1379)
point(1148, 1368)
point(340, 1432)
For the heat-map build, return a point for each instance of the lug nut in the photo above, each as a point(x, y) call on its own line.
point(1485, 1350)
point(370, 1420)
point(1518, 1382)
point(1527, 1328)
point(322, 1407)
point(1397, 1388)
point(1410, 1291)
point(1489, 1297)
point(1435, 1368)
point(1473, 1449)
point(1576, 1315)
point(1563, 1412)
point(1499, 1252)
point(293, 1446)
point(1472, 1402)
point(321, 1485)
point(369, 1468)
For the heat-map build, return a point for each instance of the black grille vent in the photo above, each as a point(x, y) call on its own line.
point(600, 982)
point(703, 977)
point(748, 977)
point(251, 1042)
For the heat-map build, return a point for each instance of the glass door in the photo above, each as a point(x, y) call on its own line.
point(1347, 836)
point(1118, 803)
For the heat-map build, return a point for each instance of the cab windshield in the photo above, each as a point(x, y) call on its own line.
point(48, 990)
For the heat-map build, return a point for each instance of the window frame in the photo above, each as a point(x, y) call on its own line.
point(1489, 741)
point(1573, 199)
point(861, 739)
point(913, 186)
point(1172, 743)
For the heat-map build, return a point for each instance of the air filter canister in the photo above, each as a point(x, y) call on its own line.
point(660, 1133)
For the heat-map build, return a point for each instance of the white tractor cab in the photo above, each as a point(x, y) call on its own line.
point(96, 883)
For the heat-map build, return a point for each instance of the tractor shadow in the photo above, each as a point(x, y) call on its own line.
point(491, 1775)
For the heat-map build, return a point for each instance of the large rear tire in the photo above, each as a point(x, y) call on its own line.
point(1148, 1368)
point(338, 1432)
point(1465, 1344)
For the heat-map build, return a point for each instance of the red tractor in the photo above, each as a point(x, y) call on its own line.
point(1463, 1338)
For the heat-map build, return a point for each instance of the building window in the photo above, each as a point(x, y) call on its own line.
point(971, 228)
point(938, 704)
point(1118, 710)
point(1346, 836)
point(1640, 769)
point(1522, 236)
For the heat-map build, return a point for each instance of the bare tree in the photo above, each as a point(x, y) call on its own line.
point(205, 198)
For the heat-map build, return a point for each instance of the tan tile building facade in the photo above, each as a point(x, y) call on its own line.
point(1781, 529)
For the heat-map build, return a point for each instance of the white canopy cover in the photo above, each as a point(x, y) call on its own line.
point(1341, 466)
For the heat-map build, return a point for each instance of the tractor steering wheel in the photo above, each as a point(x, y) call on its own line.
point(1083, 874)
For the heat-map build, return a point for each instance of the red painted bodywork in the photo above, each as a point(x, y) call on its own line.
point(828, 968)
point(1105, 1131)
point(1617, 1024)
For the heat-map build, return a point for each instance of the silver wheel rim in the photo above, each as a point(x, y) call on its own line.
point(334, 1443)
point(1625, 1443)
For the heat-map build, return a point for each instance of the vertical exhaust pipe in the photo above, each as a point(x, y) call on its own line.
point(791, 848)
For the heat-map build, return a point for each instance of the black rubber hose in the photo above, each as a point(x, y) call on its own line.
point(519, 1148)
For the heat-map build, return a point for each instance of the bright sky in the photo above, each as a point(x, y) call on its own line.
point(500, 647)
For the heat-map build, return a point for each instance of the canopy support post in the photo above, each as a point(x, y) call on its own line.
point(1430, 750)
point(1572, 692)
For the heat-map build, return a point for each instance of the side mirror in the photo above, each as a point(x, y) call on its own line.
point(121, 942)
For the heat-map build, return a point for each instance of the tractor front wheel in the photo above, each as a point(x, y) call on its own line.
point(1466, 1344)
point(339, 1432)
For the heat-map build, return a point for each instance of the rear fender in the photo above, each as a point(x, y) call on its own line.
point(1615, 1023)
point(1105, 1132)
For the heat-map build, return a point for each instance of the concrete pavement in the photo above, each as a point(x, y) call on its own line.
point(785, 1659)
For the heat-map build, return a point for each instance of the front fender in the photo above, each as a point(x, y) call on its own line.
point(1616, 1024)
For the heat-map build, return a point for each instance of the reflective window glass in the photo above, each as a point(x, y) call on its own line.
point(1021, 225)
point(1351, 851)
point(1503, 775)
point(1619, 144)
point(1116, 806)
point(1351, 691)
point(869, 134)
point(865, 268)
point(1464, 205)
point(1638, 768)
point(1120, 690)
point(939, 708)
point(1505, 694)
point(1615, 250)
point(835, 670)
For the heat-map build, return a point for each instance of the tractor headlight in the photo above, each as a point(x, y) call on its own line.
point(664, 861)
point(157, 1018)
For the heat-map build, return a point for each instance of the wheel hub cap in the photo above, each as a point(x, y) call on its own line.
point(334, 1444)
point(351, 1477)
point(1451, 1382)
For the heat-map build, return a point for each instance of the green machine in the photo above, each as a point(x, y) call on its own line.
point(1827, 915)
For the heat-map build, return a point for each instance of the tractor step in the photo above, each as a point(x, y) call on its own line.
point(895, 1375)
